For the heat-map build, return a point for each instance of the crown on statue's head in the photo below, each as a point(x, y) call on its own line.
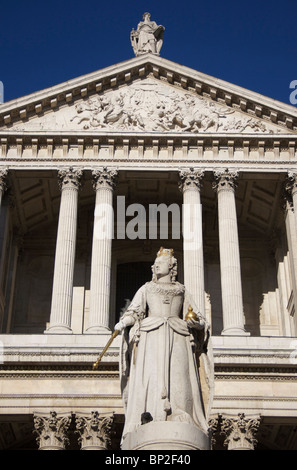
point(165, 252)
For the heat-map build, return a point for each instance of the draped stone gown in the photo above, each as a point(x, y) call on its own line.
point(159, 373)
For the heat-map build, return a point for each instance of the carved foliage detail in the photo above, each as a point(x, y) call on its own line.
point(290, 188)
point(52, 430)
point(190, 179)
point(105, 178)
point(240, 432)
point(70, 178)
point(95, 430)
point(3, 179)
point(225, 180)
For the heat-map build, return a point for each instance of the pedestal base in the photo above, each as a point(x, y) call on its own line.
point(98, 330)
point(58, 330)
point(166, 435)
point(235, 332)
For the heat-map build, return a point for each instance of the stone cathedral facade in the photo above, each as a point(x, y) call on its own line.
point(145, 133)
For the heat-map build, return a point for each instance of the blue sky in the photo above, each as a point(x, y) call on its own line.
point(249, 43)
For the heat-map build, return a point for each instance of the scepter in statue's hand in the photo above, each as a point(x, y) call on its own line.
point(113, 336)
point(117, 329)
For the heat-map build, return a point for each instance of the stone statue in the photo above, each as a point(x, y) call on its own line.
point(161, 379)
point(148, 37)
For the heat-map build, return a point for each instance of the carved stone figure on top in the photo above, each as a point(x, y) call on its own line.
point(148, 37)
point(165, 346)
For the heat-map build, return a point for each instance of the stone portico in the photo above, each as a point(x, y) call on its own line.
point(145, 131)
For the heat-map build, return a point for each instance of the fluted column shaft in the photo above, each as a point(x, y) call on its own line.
point(60, 319)
point(232, 302)
point(192, 235)
point(104, 181)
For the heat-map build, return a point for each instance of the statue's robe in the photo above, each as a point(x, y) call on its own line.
point(159, 369)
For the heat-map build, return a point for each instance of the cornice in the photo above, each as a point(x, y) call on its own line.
point(138, 68)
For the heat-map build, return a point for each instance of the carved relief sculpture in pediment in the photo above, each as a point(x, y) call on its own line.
point(149, 106)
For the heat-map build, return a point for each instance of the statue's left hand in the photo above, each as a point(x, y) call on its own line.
point(196, 324)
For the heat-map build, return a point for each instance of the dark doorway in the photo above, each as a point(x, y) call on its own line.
point(130, 277)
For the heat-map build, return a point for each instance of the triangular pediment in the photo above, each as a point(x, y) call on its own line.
point(148, 95)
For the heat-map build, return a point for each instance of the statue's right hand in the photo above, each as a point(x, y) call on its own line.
point(119, 326)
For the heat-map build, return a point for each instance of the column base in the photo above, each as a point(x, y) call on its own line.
point(49, 447)
point(233, 331)
point(93, 447)
point(58, 330)
point(166, 435)
point(97, 330)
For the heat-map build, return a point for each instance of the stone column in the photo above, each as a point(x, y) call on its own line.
point(232, 302)
point(94, 430)
point(240, 432)
point(60, 319)
point(51, 430)
point(104, 182)
point(190, 185)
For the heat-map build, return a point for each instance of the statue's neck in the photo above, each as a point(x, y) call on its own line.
point(164, 279)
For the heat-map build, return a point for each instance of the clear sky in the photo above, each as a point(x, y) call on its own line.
point(248, 43)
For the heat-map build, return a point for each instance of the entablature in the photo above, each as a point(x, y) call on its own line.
point(126, 149)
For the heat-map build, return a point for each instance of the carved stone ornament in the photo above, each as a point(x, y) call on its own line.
point(94, 430)
point(3, 178)
point(149, 105)
point(225, 180)
point(148, 36)
point(190, 179)
point(52, 430)
point(291, 183)
point(240, 432)
point(104, 178)
point(70, 178)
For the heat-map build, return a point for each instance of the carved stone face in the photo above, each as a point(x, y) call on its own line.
point(162, 266)
point(146, 16)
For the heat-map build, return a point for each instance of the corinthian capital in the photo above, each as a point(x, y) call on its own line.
point(190, 179)
point(70, 178)
point(52, 430)
point(240, 432)
point(3, 178)
point(291, 182)
point(105, 178)
point(225, 180)
point(94, 430)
